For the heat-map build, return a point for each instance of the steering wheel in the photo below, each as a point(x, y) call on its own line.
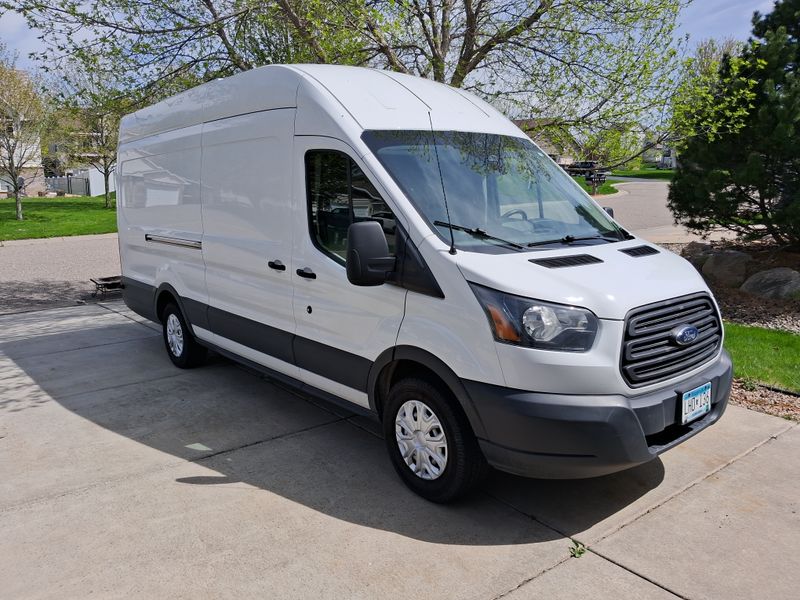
point(515, 211)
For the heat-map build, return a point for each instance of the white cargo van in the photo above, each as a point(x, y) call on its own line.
point(398, 244)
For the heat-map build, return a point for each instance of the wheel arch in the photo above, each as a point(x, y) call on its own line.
point(399, 361)
point(163, 296)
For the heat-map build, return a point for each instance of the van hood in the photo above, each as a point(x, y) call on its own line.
point(609, 288)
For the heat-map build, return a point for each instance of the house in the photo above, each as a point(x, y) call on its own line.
point(660, 156)
point(32, 175)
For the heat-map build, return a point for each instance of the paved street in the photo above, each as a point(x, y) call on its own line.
point(642, 209)
point(124, 477)
point(54, 271)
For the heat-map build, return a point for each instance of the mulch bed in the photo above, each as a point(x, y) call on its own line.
point(766, 400)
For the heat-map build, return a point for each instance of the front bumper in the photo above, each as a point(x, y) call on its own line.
point(559, 436)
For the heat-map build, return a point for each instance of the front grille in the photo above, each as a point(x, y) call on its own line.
point(650, 355)
point(572, 260)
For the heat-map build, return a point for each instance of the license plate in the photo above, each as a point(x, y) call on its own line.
point(695, 403)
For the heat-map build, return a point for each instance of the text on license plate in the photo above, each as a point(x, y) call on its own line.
point(695, 403)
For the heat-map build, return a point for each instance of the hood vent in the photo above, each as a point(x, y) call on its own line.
point(638, 251)
point(559, 262)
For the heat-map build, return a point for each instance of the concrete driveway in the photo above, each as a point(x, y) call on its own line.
point(124, 477)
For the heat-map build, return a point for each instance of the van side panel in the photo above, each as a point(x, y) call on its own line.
point(247, 195)
point(159, 220)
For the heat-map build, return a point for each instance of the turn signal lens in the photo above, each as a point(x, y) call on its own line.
point(503, 327)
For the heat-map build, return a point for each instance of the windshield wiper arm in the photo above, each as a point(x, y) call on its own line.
point(568, 239)
point(478, 233)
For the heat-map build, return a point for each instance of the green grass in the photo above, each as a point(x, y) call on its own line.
point(646, 173)
point(765, 355)
point(604, 189)
point(56, 217)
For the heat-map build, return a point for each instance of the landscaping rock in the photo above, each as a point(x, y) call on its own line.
point(695, 248)
point(697, 253)
point(780, 283)
point(728, 267)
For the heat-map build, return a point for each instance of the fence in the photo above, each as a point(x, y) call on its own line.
point(68, 185)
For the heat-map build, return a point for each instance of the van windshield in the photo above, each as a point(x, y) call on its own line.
point(503, 192)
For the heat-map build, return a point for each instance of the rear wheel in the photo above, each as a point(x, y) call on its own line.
point(183, 349)
point(430, 442)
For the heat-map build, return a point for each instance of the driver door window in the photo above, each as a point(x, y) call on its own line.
point(340, 194)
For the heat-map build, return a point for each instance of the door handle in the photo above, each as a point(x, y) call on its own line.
point(277, 265)
point(306, 273)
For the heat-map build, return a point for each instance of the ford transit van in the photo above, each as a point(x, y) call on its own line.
point(399, 245)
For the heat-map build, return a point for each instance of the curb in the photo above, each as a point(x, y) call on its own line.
point(613, 184)
point(67, 238)
point(604, 196)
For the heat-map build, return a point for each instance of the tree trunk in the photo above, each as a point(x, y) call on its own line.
point(107, 193)
point(19, 205)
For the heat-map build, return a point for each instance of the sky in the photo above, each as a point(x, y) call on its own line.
point(702, 19)
point(720, 18)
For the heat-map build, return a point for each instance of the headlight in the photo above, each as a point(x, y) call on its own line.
point(536, 324)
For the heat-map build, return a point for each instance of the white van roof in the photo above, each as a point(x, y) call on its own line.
point(374, 99)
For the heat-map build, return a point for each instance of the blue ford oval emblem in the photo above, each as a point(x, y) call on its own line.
point(683, 335)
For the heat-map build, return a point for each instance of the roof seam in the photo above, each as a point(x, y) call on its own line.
point(408, 89)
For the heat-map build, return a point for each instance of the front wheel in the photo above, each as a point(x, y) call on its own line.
point(430, 442)
point(183, 349)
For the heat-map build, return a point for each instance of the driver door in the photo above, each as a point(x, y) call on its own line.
point(341, 328)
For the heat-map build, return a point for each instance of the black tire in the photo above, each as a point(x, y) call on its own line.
point(192, 354)
point(466, 466)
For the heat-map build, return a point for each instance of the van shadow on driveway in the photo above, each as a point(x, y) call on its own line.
point(114, 373)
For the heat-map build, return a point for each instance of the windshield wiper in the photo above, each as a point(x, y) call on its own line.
point(478, 233)
point(568, 239)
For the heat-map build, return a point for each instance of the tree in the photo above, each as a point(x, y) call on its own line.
point(22, 119)
point(700, 77)
point(91, 105)
point(741, 169)
point(582, 64)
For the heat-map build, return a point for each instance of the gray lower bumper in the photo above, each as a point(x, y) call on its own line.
point(562, 436)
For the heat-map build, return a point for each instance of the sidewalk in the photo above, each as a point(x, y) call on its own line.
point(122, 476)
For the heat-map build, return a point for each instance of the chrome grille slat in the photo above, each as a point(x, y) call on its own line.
point(648, 353)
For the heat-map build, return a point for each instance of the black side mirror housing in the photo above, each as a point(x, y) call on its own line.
point(609, 210)
point(368, 259)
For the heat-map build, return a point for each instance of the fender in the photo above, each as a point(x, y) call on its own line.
point(195, 313)
point(437, 366)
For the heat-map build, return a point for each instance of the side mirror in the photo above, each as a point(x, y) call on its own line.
point(609, 210)
point(368, 259)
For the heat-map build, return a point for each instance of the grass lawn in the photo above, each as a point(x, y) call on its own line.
point(56, 217)
point(765, 355)
point(604, 189)
point(665, 174)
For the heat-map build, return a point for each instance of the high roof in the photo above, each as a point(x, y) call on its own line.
point(374, 99)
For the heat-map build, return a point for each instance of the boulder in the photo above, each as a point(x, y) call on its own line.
point(697, 253)
point(728, 267)
point(780, 283)
point(695, 248)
